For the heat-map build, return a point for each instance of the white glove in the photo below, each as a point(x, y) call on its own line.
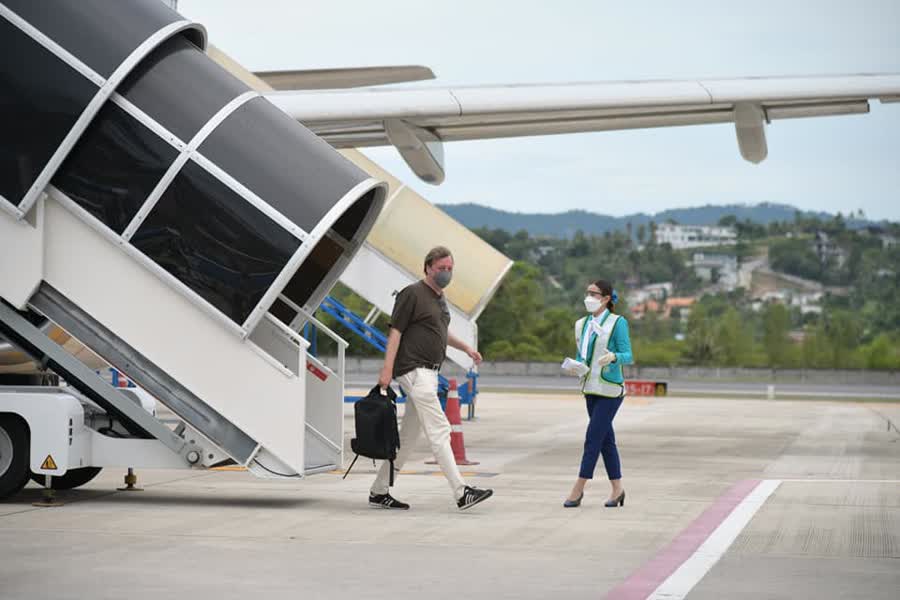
point(574, 367)
point(606, 359)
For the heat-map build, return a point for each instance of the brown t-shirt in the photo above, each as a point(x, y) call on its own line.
point(422, 317)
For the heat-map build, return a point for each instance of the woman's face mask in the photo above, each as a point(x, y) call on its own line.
point(592, 304)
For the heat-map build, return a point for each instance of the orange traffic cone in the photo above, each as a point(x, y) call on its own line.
point(456, 436)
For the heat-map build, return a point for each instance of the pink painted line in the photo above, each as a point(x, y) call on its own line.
point(646, 579)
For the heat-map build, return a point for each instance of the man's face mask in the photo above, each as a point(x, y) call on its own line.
point(442, 278)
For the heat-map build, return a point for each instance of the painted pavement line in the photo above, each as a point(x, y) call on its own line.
point(676, 569)
point(689, 574)
point(801, 480)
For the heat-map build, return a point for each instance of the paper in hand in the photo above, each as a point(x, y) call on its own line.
point(574, 367)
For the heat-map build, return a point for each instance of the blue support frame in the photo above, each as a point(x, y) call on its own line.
point(116, 377)
point(354, 323)
point(311, 335)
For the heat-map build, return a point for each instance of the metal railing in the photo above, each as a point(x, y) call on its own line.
point(342, 344)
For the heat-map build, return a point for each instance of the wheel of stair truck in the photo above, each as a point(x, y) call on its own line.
point(14, 455)
point(72, 479)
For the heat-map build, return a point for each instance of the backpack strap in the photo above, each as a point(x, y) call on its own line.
point(347, 472)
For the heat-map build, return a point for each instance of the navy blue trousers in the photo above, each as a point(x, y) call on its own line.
point(600, 437)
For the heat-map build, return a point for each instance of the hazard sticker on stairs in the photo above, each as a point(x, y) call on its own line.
point(49, 464)
point(316, 371)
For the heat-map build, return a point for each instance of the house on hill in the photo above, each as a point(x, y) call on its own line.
point(694, 236)
point(721, 269)
point(668, 308)
point(653, 291)
point(826, 249)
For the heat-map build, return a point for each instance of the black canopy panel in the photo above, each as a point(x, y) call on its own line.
point(117, 106)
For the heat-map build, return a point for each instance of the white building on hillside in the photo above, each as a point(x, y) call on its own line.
point(717, 268)
point(653, 291)
point(694, 236)
point(807, 302)
point(826, 249)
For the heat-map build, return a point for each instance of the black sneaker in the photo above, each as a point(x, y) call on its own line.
point(472, 496)
point(386, 501)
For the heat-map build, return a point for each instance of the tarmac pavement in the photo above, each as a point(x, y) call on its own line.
point(732, 498)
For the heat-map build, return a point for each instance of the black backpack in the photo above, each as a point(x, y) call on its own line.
point(377, 436)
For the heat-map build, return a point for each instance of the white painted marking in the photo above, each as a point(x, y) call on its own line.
point(799, 480)
point(689, 574)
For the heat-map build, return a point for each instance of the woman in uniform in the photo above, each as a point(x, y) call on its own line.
point(604, 346)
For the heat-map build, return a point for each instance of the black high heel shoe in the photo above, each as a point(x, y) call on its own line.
point(620, 501)
point(573, 503)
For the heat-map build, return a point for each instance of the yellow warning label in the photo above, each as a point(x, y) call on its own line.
point(49, 464)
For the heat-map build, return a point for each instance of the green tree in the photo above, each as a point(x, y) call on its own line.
point(652, 329)
point(795, 257)
point(555, 331)
point(580, 246)
point(883, 353)
point(665, 353)
point(815, 348)
point(499, 350)
point(844, 330)
point(776, 343)
point(747, 229)
point(511, 313)
point(498, 238)
point(728, 221)
point(743, 251)
point(700, 344)
point(732, 339)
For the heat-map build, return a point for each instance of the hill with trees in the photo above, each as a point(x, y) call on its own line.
point(566, 224)
point(856, 324)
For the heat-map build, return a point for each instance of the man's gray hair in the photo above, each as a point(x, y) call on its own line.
point(436, 253)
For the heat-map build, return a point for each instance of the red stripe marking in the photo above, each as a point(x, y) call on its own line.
point(646, 579)
point(316, 371)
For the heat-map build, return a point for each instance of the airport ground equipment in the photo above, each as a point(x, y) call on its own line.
point(159, 216)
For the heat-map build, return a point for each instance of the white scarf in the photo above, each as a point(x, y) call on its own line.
point(586, 339)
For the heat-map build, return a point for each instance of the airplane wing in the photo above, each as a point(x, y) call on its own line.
point(417, 120)
point(319, 79)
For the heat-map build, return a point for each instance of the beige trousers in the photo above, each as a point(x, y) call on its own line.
point(423, 413)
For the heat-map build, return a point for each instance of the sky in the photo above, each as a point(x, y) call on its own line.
point(832, 164)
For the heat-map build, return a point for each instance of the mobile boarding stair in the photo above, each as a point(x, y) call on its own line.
point(185, 243)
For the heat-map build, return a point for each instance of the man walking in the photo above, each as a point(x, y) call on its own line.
point(417, 345)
